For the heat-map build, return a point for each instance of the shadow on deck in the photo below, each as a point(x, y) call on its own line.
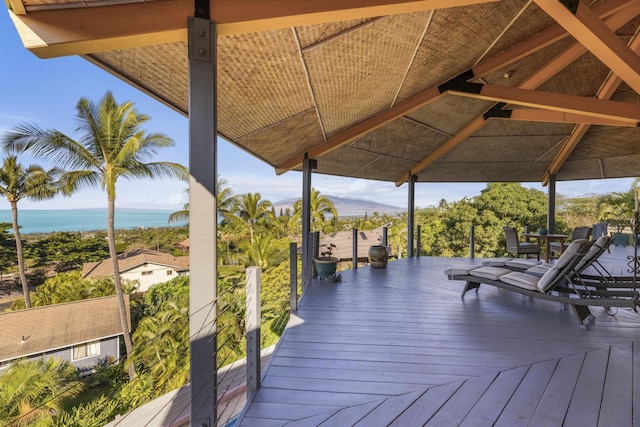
point(398, 346)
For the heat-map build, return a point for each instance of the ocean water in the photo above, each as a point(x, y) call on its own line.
point(48, 221)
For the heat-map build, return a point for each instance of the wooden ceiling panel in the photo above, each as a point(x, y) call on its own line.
point(355, 77)
point(450, 113)
point(301, 131)
point(441, 57)
point(402, 139)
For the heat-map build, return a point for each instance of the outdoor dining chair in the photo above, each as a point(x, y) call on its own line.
point(516, 247)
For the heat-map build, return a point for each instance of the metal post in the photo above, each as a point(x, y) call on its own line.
point(472, 242)
point(253, 330)
point(411, 214)
point(293, 277)
point(354, 254)
point(315, 249)
point(551, 213)
point(418, 241)
point(307, 167)
point(202, 224)
point(385, 236)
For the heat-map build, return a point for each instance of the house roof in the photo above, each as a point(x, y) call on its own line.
point(446, 91)
point(36, 330)
point(133, 259)
point(344, 242)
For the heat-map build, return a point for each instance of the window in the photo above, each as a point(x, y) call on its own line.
point(85, 350)
point(147, 273)
point(169, 272)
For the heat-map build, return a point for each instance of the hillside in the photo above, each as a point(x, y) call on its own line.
point(348, 207)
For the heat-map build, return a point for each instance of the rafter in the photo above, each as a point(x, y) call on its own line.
point(606, 92)
point(543, 39)
point(467, 131)
point(533, 115)
point(622, 13)
point(76, 31)
point(607, 8)
point(593, 34)
point(557, 102)
point(364, 127)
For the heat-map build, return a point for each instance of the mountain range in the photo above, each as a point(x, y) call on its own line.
point(348, 207)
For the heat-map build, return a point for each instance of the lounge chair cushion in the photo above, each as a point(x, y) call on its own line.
point(598, 247)
point(538, 270)
point(521, 280)
point(460, 270)
point(550, 278)
point(522, 263)
point(492, 273)
point(496, 262)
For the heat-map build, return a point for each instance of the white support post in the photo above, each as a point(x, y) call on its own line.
point(253, 330)
point(202, 220)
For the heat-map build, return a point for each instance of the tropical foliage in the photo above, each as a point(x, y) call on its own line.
point(111, 145)
point(31, 392)
point(17, 183)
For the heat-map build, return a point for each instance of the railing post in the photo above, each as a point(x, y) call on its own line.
point(418, 241)
point(315, 243)
point(293, 276)
point(355, 249)
point(253, 330)
point(472, 242)
point(385, 235)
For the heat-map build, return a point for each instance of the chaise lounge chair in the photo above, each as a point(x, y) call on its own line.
point(558, 284)
point(588, 272)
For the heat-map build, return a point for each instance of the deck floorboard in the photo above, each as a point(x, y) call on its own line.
point(399, 346)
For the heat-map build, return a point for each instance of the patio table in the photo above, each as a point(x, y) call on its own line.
point(547, 238)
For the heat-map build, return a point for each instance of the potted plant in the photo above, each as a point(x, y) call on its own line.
point(326, 264)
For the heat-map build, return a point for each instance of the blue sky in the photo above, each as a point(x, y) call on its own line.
point(46, 91)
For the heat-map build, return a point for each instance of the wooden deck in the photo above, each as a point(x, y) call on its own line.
point(398, 346)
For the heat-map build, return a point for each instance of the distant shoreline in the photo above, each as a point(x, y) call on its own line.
point(34, 221)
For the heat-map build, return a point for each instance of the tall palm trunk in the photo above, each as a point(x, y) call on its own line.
point(16, 233)
point(118, 285)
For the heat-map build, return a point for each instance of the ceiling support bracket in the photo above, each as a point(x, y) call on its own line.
point(202, 9)
point(572, 5)
point(498, 111)
point(461, 83)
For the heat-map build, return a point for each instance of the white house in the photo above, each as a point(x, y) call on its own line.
point(143, 265)
point(82, 332)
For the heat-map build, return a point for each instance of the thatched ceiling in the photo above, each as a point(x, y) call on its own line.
point(449, 91)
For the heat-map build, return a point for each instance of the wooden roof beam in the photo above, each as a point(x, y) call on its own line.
point(593, 107)
point(423, 98)
point(545, 38)
point(606, 92)
point(593, 34)
point(618, 13)
point(76, 31)
point(447, 146)
point(535, 115)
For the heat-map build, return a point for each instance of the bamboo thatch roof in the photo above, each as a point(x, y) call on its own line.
point(455, 91)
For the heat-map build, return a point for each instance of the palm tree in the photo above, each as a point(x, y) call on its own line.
point(162, 347)
point(31, 391)
point(251, 209)
point(33, 183)
point(111, 145)
point(258, 250)
point(320, 206)
point(225, 202)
